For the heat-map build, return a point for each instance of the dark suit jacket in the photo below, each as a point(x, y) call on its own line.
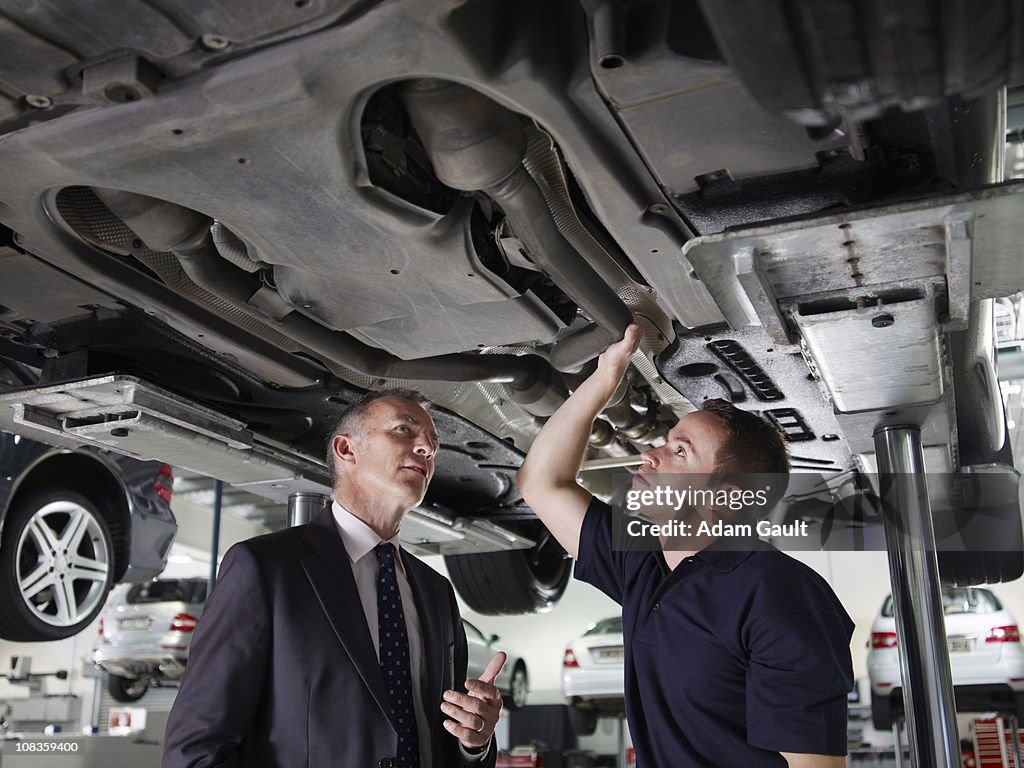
point(282, 671)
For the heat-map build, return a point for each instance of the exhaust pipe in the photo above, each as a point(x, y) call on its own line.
point(168, 227)
point(475, 144)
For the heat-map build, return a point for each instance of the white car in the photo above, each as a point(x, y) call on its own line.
point(985, 656)
point(513, 681)
point(592, 669)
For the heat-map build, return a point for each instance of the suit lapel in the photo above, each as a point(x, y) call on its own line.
point(330, 574)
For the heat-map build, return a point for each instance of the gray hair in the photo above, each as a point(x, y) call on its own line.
point(350, 421)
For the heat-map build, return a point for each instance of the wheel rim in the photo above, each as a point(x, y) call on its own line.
point(519, 687)
point(63, 563)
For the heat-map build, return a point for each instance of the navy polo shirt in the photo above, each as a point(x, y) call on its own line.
point(736, 655)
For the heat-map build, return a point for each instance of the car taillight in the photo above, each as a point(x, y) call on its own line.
point(1007, 634)
point(570, 659)
point(163, 482)
point(883, 639)
point(183, 623)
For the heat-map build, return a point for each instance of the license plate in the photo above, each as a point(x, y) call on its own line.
point(134, 623)
point(960, 645)
point(608, 654)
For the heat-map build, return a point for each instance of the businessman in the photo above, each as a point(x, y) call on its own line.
point(329, 645)
point(736, 654)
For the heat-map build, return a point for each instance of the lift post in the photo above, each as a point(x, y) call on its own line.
point(929, 705)
point(303, 506)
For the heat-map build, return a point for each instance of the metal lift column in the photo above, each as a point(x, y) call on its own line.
point(916, 593)
point(303, 506)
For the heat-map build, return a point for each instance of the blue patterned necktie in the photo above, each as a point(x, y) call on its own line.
point(394, 657)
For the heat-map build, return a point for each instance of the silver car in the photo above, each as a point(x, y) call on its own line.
point(145, 634)
point(513, 681)
point(73, 523)
point(592, 669)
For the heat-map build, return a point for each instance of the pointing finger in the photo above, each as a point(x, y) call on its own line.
point(494, 667)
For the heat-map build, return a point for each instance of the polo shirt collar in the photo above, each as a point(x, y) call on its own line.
point(359, 538)
point(726, 554)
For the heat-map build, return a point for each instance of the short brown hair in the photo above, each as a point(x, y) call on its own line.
point(350, 420)
point(753, 454)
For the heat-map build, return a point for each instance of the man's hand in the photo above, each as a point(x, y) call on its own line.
point(547, 478)
point(475, 714)
point(616, 358)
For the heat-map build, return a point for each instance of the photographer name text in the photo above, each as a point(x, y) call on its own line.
point(717, 529)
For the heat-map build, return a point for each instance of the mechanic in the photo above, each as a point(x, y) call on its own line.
point(735, 653)
point(327, 644)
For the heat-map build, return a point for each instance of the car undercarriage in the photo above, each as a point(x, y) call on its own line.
point(219, 223)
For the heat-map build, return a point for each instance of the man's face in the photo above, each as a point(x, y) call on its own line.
point(392, 452)
point(690, 449)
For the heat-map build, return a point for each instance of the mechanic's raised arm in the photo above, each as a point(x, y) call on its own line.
point(547, 478)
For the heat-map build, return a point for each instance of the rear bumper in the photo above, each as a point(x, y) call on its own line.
point(132, 665)
point(1007, 672)
point(151, 541)
point(589, 683)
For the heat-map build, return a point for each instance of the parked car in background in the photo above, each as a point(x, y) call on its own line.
point(985, 656)
point(513, 681)
point(145, 634)
point(72, 524)
point(592, 674)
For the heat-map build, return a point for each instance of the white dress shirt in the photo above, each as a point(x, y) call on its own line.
point(359, 540)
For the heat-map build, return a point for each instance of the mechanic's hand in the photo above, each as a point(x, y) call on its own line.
point(616, 357)
point(475, 714)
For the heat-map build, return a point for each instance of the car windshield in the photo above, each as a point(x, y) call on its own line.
point(606, 627)
point(959, 600)
point(168, 590)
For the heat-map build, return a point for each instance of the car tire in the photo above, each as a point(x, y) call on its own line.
point(49, 592)
point(509, 583)
point(125, 689)
point(968, 569)
point(519, 686)
point(583, 721)
point(990, 534)
point(827, 55)
point(881, 712)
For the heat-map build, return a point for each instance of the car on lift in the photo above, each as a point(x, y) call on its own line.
point(72, 524)
point(593, 666)
point(145, 634)
point(221, 222)
point(986, 657)
point(513, 681)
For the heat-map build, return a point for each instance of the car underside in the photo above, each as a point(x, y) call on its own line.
point(221, 222)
